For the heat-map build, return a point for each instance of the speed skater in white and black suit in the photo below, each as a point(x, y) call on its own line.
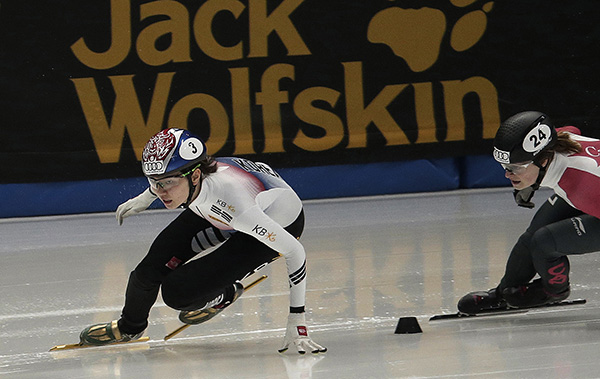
point(533, 154)
point(243, 209)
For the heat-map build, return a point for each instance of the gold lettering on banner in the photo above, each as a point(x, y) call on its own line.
point(120, 43)
point(262, 25)
point(177, 27)
point(327, 121)
point(360, 117)
point(126, 115)
point(217, 117)
point(454, 93)
point(321, 117)
point(242, 118)
point(203, 30)
point(424, 112)
point(270, 98)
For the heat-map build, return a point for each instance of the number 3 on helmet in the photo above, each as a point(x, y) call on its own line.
point(171, 152)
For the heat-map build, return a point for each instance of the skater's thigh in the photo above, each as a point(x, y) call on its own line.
point(576, 235)
point(173, 245)
point(235, 259)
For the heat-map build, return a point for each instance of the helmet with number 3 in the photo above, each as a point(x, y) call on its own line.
point(523, 136)
point(172, 152)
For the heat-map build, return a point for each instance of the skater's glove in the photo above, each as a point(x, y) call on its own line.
point(135, 205)
point(523, 197)
point(297, 334)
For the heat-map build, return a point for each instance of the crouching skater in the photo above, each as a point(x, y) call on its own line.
point(243, 209)
point(534, 154)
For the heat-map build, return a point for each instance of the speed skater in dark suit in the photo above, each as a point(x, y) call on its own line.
point(534, 154)
point(241, 209)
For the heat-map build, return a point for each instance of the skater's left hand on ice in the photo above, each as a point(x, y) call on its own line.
point(297, 334)
point(135, 205)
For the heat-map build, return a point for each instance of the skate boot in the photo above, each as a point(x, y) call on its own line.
point(203, 315)
point(481, 301)
point(533, 295)
point(105, 334)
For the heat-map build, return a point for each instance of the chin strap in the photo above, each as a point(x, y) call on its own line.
point(541, 175)
point(523, 197)
point(191, 193)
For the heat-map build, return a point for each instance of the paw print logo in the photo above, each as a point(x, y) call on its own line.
point(416, 35)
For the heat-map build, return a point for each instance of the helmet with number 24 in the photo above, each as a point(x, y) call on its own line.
point(523, 136)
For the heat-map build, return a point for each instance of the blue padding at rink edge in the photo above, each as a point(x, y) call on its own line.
point(481, 171)
point(40, 199)
point(373, 178)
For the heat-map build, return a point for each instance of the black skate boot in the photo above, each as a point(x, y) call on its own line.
point(203, 315)
point(533, 295)
point(481, 301)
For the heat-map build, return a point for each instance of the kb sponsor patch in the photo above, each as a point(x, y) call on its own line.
point(263, 232)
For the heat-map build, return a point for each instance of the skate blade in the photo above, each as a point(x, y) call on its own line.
point(506, 311)
point(81, 346)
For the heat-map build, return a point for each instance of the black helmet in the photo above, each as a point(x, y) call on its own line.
point(523, 136)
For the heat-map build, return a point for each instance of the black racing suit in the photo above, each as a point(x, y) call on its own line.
point(557, 230)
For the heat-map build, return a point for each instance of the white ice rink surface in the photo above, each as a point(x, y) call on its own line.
point(370, 262)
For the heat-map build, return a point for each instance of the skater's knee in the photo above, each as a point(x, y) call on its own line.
point(525, 240)
point(543, 245)
point(174, 294)
point(179, 294)
point(173, 298)
point(178, 298)
point(523, 247)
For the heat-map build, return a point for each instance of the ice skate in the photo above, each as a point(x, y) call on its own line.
point(105, 334)
point(203, 315)
point(481, 301)
point(532, 295)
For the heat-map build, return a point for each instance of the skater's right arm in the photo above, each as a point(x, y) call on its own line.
point(135, 205)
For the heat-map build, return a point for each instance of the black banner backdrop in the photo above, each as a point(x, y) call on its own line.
point(292, 82)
